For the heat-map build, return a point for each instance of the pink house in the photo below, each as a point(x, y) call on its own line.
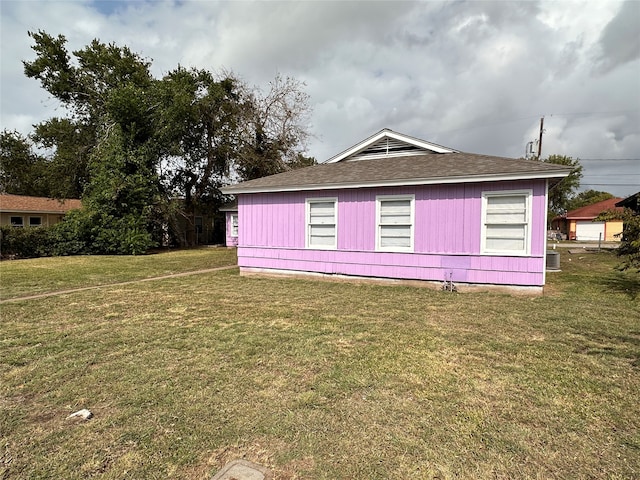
point(396, 207)
point(231, 223)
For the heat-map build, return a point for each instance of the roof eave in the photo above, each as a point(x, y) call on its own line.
point(400, 182)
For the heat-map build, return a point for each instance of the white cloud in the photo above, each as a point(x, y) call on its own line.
point(471, 75)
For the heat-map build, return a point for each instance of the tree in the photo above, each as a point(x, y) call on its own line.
point(561, 193)
point(108, 86)
point(199, 135)
point(119, 203)
point(67, 169)
point(588, 197)
point(276, 129)
point(184, 135)
point(629, 248)
point(108, 136)
point(215, 130)
point(21, 170)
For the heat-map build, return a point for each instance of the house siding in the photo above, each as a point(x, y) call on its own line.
point(613, 229)
point(447, 231)
point(48, 219)
point(230, 240)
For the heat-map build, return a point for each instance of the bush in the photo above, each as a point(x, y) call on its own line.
point(24, 242)
point(80, 232)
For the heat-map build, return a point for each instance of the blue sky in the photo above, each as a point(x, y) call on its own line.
point(472, 75)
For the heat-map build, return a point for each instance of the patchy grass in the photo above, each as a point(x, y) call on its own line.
point(320, 380)
point(40, 275)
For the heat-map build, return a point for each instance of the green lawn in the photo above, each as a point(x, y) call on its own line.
point(41, 275)
point(318, 380)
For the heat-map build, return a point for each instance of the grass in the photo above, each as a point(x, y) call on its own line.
point(320, 380)
point(36, 276)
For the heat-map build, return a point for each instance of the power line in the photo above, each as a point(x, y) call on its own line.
point(582, 114)
point(610, 184)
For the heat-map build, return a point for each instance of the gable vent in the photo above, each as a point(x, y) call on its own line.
point(388, 147)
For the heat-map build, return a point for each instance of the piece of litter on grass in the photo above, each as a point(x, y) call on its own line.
point(84, 414)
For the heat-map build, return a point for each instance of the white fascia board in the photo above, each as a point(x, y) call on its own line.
point(384, 133)
point(400, 182)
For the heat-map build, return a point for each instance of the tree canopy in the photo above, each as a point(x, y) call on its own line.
point(130, 144)
point(588, 197)
point(561, 194)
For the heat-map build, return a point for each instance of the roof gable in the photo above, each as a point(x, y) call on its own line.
point(387, 143)
point(392, 161)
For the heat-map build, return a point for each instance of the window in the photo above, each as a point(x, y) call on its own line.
point(395, 222)
point(35, 221)
point(322, 222)
point(17, 222)
point(198, 224)
point(234, 224)
point(506, 222)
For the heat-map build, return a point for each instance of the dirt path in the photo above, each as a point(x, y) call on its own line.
point(93, 287)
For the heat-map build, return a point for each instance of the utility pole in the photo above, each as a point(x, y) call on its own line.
point(540, 141)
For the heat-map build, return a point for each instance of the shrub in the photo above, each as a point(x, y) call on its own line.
point(25, 242)
point(80, 232)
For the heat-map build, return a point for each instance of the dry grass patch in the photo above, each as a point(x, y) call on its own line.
point(319, 380)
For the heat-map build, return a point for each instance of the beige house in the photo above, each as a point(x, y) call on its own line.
point(23, 211)
point(582, 224)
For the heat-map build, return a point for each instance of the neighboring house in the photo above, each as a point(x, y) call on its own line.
point(396, 207)
point(23, 211)
point(581, 224)
point(231, 223)
point(632, 202)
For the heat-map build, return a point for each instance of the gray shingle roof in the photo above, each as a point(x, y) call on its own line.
point(406, 170)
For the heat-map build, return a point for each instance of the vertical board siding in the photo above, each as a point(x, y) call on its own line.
point(447, 231)
point(230, 241)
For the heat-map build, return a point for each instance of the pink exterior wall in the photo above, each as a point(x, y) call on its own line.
point(446, 235)
point(230, 241)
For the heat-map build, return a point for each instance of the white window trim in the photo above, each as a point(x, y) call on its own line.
point(307, 218)
point(528, 224)
point(16, 225)
point(36, 225)
point(379, 199)
point(231, 217)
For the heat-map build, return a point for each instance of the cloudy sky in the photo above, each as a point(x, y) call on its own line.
point(472, 75)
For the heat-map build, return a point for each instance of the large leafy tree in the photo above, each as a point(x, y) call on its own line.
point(106, 142)
point(198, 133)
point(216, 130)
point(561, 194)
point(105, 85)
point(130, 145)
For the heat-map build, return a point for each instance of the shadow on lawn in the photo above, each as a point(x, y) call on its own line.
point(620, 346)
point(623, 282)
